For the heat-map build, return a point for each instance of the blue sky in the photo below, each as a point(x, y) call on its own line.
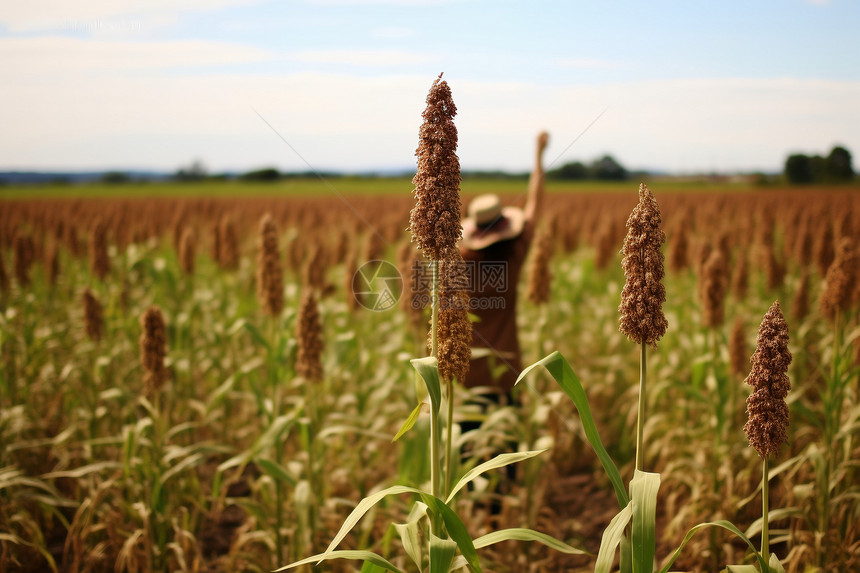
point(683, 86)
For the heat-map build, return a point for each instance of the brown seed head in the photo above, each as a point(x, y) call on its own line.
point(309, 336)
point(229, 254)
point(52, 262)
point(738, 352)
point(186, 251)
point(841, 279)
point(767, 426)
point(435, 219)
point(540, 275)
point(270, 285)
point(679, 245)
point(23, 257)
point(93, 316)
point(824, 250)
point(800, 302)
point(153, 349)
point(716, 283)
point(4, 276)
point(740, 277)
point(98, 249)
point(642, 319)
point(454, 328)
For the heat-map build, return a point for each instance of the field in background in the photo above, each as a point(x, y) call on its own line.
point(347, 186)
point(239, 464)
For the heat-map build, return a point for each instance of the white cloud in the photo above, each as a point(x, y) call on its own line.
point(83, 104)
point(56, 15)
point(586, 64)
point(368, 58)
point(393, 32)
point(24, 58)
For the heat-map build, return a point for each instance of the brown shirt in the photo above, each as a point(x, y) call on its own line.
point(494, 276)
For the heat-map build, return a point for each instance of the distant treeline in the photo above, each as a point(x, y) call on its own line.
point(835, 168)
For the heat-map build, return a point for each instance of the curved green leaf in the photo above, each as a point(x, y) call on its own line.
point(456, 529)
point(363, 507)
point(441, 554)
point(410, 535)
point(721, 523)
point(499, 461)
point(643, 493)
point(524, 534)
point(410, 421)
point(367, 556)
point(428, 368)
point(561, 370)
point(611, 538)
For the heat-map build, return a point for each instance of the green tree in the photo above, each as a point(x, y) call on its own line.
point(798, 168)
point(837, 165)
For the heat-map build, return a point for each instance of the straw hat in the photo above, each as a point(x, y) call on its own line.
point(488, 222)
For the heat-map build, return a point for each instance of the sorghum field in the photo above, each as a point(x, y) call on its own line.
point(188, 383)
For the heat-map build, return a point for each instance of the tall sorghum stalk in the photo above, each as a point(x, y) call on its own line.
point(153, 350)
point(836, 300)
point(767, 426)
point(642, 319)
point(540, 280)
point(435, 219)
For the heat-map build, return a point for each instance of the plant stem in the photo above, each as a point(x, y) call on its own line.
point(640, 422)
point(765, 544)
point(449, 452)
point(435, 461)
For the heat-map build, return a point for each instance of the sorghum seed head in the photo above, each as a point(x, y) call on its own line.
point(270, 285)
point(841, 277)
point(435, 219)
point(93, 316)
point(153, 349)
point(309, 336)
point(767, 426)
point(642, 319)
point(454, 328)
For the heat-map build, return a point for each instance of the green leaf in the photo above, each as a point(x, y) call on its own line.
point(523, 534)
point(441, 554)
point(276, 470)
point(612, 538)
point(428, 368)
point(561, 370)
point(772, 515)
point(725, 525)
point(410, 421)
point(363, 507)
point(643, 492)
point(366, 556)
point(456, 529)
point(499, 461)
point(775, 565)
point(267, 440)
point(410, 535)
point(741, 569)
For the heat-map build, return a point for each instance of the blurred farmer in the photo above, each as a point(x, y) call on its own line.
point(495, 243)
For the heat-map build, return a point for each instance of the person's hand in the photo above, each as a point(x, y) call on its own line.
point(542, 141)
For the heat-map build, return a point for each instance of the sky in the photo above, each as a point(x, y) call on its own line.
point(684, 86)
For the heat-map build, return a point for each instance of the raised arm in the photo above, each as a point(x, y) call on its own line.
point(534, 200)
